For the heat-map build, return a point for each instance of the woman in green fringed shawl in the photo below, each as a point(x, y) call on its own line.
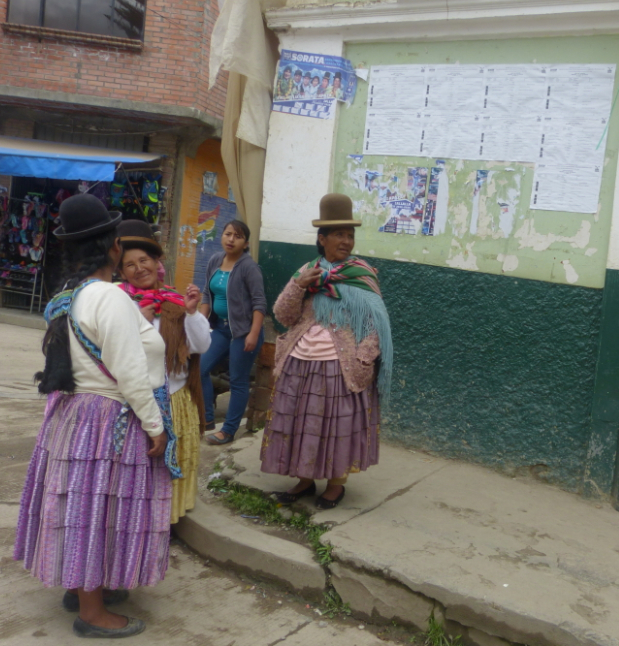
point(332, 366)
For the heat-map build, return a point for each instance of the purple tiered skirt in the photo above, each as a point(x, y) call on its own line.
point(316, 427)
point(89, 516)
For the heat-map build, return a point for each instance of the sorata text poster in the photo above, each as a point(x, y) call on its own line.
point(309, 85)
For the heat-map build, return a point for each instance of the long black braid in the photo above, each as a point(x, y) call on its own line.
point(80, 259)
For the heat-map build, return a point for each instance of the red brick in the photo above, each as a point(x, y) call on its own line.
point(172, 64)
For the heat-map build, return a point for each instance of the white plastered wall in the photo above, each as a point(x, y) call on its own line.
point(298, 169)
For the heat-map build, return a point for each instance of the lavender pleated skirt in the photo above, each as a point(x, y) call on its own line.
point(316, 427)
point(89, 516)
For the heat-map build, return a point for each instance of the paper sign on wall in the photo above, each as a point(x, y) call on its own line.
point(555, 116)
point(309, 85)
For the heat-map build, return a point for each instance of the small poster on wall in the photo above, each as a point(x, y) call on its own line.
point(309, 85)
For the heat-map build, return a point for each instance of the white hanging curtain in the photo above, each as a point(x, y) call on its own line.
point(241, 44)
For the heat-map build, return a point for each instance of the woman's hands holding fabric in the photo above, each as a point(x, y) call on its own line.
point(158, 445)
point(192, 298)
point(148, 312)
point(308, 276)
point(251, 341)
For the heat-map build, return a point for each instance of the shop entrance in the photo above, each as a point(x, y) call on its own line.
point(31, 265)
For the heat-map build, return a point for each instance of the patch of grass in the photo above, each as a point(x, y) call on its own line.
point(334, 605)
point(323, 551)
point(219, 485)
point(435, 636)
point(251, 502)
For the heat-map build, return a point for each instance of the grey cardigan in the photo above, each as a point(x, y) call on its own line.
point(245, 292)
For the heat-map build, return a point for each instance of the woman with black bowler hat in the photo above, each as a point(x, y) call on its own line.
point(95, 509)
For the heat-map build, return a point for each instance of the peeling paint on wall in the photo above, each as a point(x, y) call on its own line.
point(464, 258)
point(529, 237)
point(495, 230)
point(510, 263)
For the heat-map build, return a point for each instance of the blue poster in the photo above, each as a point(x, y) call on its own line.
point(215, 213)
point(309, 85)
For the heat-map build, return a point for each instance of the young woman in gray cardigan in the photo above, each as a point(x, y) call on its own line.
point(234, 302)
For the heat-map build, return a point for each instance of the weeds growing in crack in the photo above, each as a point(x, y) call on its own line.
point(219, 485)
point(334, 605)
point(435, 635)
point(254, 503)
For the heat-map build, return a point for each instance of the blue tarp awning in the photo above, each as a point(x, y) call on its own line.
point(37, 158)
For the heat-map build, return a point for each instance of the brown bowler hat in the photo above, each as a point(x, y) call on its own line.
point(336, 211)
point(137, 234)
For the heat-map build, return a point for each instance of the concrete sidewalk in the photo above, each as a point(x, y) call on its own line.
point(197, 604)
point(500, 559)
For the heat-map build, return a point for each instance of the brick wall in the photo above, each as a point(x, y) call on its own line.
point(172, 68)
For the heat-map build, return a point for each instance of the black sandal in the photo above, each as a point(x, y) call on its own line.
point(286, 498)
point(323, 503)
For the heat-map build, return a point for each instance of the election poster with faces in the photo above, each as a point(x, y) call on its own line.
point(553, 116)
point(310, 85)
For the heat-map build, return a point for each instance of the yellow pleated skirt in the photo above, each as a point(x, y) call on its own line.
point(187, 428)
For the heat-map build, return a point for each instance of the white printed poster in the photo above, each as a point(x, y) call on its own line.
point(553, 116)
point(566, 188)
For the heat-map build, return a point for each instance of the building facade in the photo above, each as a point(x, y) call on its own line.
point(127, 75)
point(505, 335)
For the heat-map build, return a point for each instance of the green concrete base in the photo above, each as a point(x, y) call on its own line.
point(490, 369)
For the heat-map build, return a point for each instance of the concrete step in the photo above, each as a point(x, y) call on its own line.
point(214, 533)
point(501, 560)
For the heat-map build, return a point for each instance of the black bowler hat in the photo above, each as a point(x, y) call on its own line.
point(137, 234)
point(83, 216)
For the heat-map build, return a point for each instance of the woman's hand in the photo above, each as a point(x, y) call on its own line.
point(192, 298)
point(148, 312)
point(308, 276)
point(251, 341)
point(158, 445)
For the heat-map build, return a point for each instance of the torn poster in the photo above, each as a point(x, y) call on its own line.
point(406, 214)
point(210, 185)
point(495, 198)
point(309, 85)
point(435, 216)
point(480, 180)
point(573, 189)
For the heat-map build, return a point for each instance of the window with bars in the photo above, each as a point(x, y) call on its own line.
point(119, 18)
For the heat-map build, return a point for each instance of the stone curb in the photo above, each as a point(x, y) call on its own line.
point(22, 319)
point(211, 532)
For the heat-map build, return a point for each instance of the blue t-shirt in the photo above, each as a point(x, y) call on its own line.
point(219, 285)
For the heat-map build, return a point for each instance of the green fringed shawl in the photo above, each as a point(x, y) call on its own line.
point(364, 312)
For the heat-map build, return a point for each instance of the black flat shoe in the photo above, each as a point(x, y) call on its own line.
point(71, 601)
point(214, 440)
point(286, 498)
point(134, 627)
point(323, 503)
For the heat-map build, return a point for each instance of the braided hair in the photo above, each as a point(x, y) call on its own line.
point(80, 259)
point(322, 231)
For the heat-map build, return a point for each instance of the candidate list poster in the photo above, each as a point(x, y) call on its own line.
point(309, 85)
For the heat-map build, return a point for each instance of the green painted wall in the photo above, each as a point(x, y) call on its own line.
point(490, 369)
point(549, 246)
